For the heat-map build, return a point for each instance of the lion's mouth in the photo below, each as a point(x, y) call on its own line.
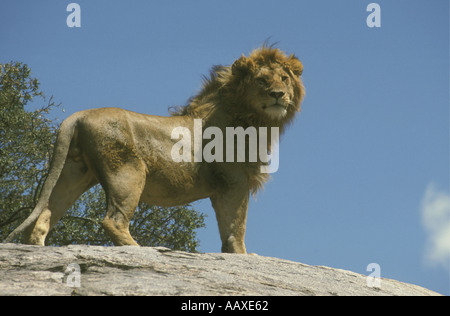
point(276, 105)
point(275, 110)
point(284, 106)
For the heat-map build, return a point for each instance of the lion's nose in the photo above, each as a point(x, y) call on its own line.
point(276, 94)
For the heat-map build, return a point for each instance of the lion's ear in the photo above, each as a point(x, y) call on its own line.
point(242, 66)
point(295, 65)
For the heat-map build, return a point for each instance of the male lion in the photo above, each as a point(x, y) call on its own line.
point(129, 154)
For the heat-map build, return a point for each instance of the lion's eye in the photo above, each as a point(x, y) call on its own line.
point(284, 78)
point(262, 81)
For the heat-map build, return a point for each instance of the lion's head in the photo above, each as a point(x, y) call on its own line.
point(270, 82)
point(263, 89)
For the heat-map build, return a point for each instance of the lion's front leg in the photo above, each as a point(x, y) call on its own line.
point(231, 213)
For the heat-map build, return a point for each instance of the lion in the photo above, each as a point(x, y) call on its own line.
point(129, 153)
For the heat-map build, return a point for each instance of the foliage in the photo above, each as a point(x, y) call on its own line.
point(26, 144)
point(26, 139)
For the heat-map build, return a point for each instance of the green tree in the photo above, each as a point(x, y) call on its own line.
point(26, 145)
point(26, 139)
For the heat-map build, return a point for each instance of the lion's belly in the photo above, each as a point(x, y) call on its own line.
point(161, 195)
point(177, 186)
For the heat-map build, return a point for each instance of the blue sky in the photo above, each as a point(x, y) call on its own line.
point(364, 170)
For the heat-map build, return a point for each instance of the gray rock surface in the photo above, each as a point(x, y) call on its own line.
point(90, 270)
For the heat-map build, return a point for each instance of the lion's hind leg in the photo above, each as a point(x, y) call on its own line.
point(74, 180)
point(123, 191)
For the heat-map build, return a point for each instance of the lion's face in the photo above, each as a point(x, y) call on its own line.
point(272, 91)
point(271, 83)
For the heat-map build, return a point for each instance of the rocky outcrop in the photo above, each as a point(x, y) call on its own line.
point(90, 270)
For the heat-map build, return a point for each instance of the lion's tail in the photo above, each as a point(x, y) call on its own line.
point(61, 150)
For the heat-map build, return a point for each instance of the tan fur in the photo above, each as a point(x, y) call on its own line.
point(129, 153)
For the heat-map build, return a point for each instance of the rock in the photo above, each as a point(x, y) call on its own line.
point(92, 270)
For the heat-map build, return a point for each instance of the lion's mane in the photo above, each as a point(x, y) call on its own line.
point(221, 100)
